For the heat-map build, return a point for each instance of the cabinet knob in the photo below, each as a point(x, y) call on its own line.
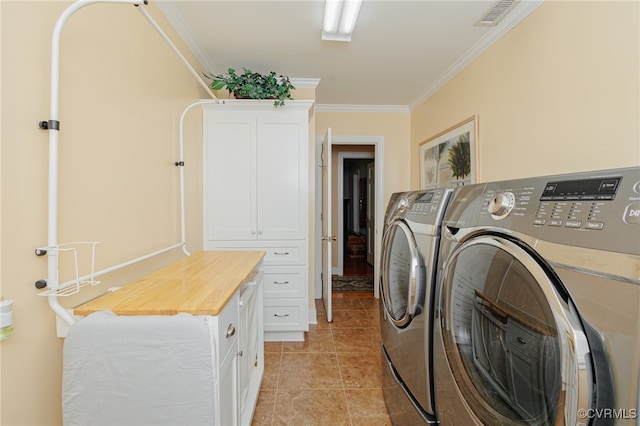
point(240, 353)
point(231, 330)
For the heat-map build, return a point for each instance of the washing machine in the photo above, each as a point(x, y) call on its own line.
point(537, 317)
point(409, 252)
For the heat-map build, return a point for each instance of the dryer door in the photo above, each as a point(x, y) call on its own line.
point(403, 274)
point(514, 343)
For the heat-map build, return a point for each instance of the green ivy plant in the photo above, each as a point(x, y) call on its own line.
point(253, 85)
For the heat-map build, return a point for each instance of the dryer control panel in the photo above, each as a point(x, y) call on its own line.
point(424, 207)
point(599, 210)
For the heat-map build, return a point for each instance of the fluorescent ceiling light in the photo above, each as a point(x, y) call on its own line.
point(340, 18)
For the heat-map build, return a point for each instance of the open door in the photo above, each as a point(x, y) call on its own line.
point(371, 203)
point(327, 238)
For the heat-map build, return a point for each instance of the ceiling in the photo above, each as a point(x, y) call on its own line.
point(400, 53)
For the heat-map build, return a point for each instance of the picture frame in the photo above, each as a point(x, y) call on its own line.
point(449, 159)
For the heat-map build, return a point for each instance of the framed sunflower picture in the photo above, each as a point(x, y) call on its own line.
point(449, 159)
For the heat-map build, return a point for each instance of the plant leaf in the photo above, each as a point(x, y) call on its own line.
point(217, 85)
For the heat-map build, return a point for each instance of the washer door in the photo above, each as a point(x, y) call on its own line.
point(514, 343)
point(403, 275)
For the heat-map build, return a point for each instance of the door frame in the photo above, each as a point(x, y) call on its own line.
point(378, 143)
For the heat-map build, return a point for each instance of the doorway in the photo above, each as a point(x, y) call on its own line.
point(371, 149)
point(356, 170)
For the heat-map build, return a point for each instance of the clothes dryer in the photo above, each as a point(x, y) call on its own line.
point(408, 259)
point(537, 317)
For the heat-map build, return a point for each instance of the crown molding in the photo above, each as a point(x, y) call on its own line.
point(361, 108)
point(305, 83)
point(518, 13)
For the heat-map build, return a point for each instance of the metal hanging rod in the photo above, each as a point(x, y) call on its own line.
point(52, 125)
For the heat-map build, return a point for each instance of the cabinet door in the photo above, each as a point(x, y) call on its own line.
point(248, 343)
point(228, 390)
point(251, 341)
point(282, 176)
point(230, 176)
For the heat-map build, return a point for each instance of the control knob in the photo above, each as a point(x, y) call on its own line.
point(501, 205)
point(403, 204)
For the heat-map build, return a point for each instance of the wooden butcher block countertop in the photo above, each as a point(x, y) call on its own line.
point(200, 284)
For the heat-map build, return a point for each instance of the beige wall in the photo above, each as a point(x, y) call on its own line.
point(559, 93)
point(122, 92)
point(392, 126)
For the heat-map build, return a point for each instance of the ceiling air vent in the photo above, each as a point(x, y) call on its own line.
point(496, 13)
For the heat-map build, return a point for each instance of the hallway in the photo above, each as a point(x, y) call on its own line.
point(357, 268)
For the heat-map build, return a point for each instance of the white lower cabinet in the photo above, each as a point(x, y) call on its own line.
point(286, 288)
point(251, 347)
point(228, 391)
point(240, 351)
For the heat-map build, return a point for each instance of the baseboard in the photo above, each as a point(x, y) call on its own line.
point(284, 336)
point(313, 316)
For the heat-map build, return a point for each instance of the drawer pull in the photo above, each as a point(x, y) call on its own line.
point(281, 253)
point(231, 330)
point(521, 341)
point(240, 353)
point(281, 282)
point(280, 315)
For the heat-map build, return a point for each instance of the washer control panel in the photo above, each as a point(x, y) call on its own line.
point(576, 203)
point(590, 209)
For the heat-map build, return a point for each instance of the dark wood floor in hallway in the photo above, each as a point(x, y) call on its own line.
point(357, 268)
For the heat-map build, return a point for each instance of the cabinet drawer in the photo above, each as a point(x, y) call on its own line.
point(285, 281)
point(290, 254)
point(285, 315)
point(228, 326)
point(521, 338)
point(277, 253)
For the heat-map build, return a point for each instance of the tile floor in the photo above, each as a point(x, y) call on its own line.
point(332, 378)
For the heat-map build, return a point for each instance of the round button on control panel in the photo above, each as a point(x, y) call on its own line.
point(632, 213)
point(501, 205)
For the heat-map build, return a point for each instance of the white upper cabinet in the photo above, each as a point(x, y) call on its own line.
point(256, 172)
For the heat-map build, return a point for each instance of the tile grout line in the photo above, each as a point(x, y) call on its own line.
point(344, 392)
point(275, 398)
